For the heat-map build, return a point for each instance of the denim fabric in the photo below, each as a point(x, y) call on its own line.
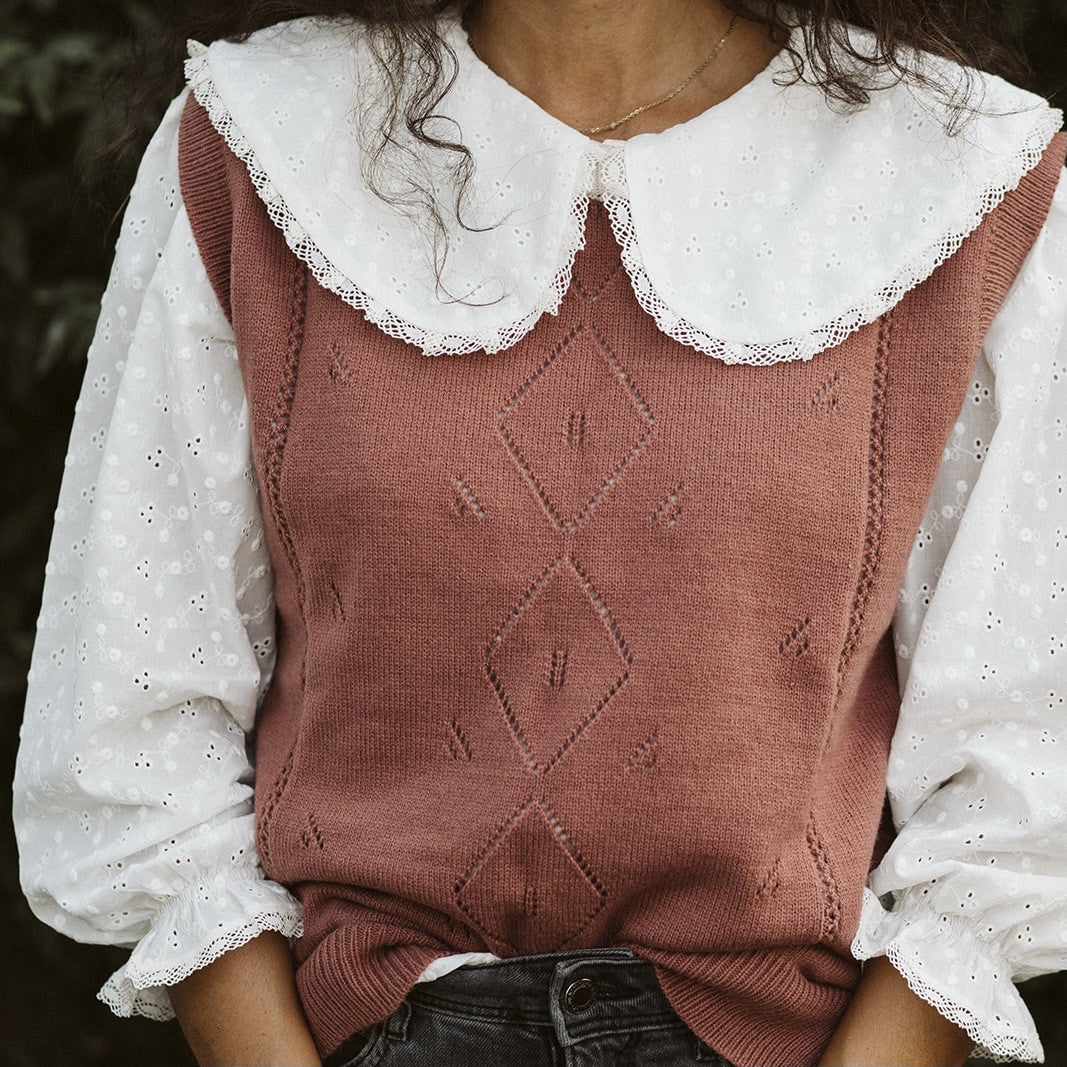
point(575, 1009)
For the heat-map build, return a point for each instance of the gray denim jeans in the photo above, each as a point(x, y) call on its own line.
point(576, 1009)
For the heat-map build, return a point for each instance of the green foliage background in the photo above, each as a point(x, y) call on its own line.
point(56, 59)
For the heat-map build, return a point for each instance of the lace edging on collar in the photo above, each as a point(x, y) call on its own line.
point(767, 229)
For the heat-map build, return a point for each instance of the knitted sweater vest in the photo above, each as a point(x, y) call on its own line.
point(585, 643)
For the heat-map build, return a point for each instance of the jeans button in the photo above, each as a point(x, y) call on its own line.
point(580, 995)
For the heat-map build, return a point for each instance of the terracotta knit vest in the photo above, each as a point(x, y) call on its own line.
point(585, 643)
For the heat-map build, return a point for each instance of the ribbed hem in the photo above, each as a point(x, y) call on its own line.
point(356, 977)
point(772, 1015)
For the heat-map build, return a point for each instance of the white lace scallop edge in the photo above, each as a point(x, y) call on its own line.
point(143, 991)
point(1010, 171)
point(302, 244)
point(1007, 174)
point(1000, 1047)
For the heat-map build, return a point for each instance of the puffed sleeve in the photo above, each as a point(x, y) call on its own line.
point(972, 895)
point(133, 790)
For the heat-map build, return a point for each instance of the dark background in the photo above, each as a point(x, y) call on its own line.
point(56, 112)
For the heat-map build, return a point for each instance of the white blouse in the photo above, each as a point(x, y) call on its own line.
point(133, 793)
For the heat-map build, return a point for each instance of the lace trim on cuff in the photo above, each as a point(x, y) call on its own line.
point(192, 931)
point(950, 965)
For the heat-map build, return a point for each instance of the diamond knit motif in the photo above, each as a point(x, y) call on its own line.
point(574, 426)
point(556, 662)
point(531, 890)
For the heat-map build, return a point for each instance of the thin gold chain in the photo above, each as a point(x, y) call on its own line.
point(607, 127)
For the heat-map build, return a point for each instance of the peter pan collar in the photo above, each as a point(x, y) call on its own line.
point(766, 229)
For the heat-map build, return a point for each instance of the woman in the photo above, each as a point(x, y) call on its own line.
point(583, 647)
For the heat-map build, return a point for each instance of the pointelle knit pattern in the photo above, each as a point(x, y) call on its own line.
point(549, 619)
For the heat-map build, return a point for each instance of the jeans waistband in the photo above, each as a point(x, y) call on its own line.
point(580, 994)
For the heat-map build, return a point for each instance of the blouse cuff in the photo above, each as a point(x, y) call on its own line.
point(194, 929)
point(946, 961)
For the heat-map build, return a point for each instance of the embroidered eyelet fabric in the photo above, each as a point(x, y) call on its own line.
point(133, 792)
point(155, 641)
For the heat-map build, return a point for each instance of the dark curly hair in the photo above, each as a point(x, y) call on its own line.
point(966, 31)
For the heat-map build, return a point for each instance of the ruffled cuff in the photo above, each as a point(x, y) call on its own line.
point(194, 929)
point(945, 961)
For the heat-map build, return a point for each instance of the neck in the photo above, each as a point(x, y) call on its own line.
point(587, 62)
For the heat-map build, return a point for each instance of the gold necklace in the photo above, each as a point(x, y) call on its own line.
point(608, 127)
